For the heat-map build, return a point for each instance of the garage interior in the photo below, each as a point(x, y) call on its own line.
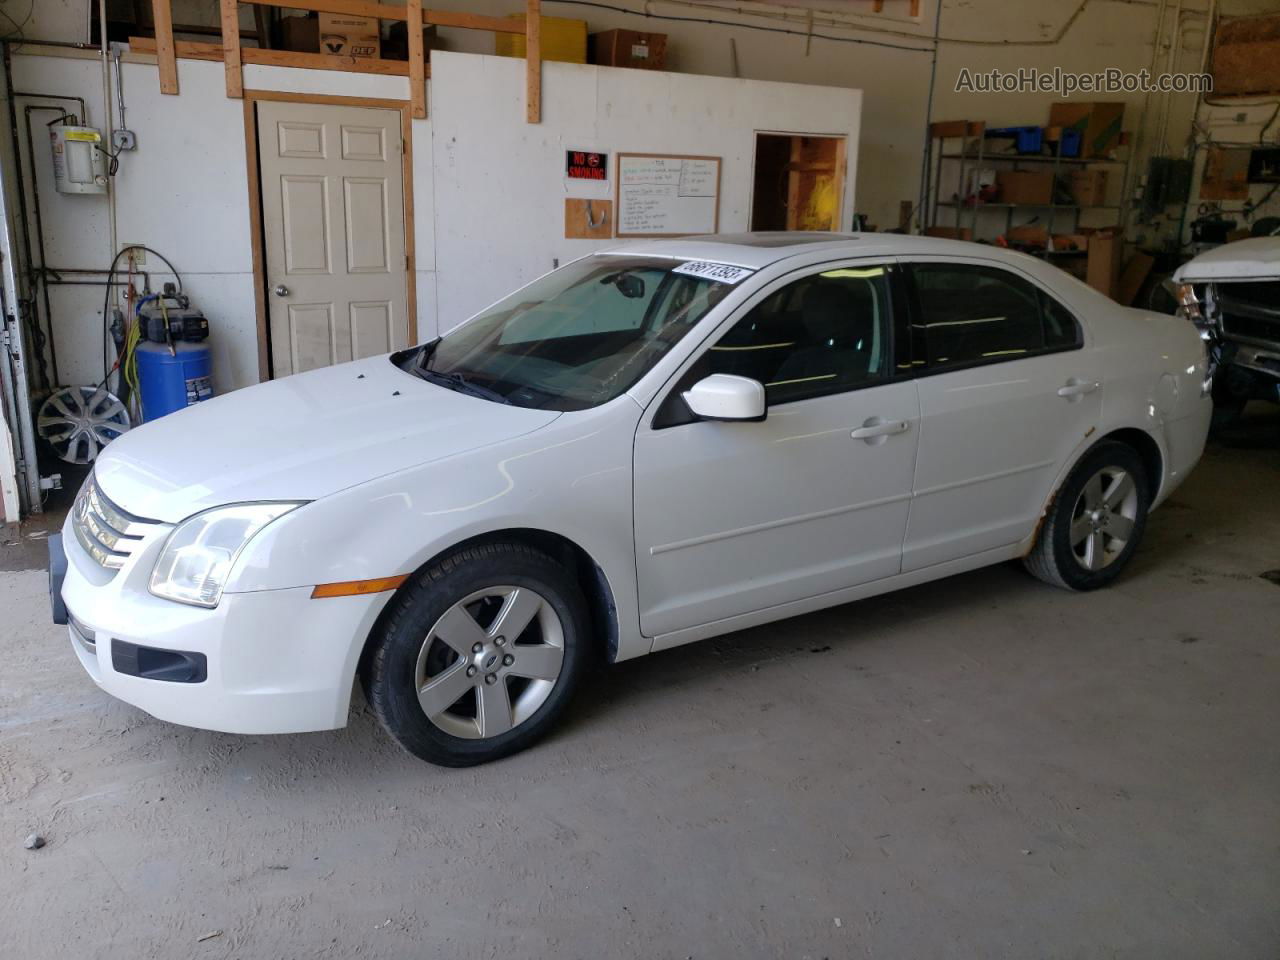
point(980, 766)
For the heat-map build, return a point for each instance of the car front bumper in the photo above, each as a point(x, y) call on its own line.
point(270, 661)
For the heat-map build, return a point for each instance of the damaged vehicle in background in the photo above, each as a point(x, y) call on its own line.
point(1232, 294)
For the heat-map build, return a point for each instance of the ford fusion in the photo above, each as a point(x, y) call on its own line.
point(649, 446)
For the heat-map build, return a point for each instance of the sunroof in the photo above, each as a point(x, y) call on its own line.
point(777, 239)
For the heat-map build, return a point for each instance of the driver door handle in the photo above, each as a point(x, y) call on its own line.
point(1077, 388)
point(880, 428)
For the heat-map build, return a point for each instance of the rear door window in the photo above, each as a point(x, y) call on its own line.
point(970, 314)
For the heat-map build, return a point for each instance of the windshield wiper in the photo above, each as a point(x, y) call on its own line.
point(461, 383)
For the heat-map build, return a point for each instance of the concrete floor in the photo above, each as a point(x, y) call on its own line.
point(981, 767)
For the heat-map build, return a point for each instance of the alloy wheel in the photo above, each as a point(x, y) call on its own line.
point(1103, 519)
point(490, 662)
point(79, 421)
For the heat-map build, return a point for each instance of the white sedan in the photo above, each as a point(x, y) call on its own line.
point(652, 445)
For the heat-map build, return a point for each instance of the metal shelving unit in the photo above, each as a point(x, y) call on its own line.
point(963, 145)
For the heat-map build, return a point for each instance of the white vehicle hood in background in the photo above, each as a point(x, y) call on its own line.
point(1257, 258)
point(300, 438)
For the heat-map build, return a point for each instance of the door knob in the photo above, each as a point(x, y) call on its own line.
point(281, 290)
point(1077, 388)
point(875, 430)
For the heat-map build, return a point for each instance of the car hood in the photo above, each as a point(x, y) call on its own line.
point(1257, 258)
point(300, 438)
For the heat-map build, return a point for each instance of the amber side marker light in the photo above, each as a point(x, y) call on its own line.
point(356, 588)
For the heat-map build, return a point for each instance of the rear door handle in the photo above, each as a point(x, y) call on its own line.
point(1078, 388)
point(876, 428)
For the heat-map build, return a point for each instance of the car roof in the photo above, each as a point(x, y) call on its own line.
point(764, 248)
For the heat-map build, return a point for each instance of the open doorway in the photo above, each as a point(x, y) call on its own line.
point(798, 182)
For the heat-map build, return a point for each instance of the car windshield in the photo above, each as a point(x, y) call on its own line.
point(576, 338)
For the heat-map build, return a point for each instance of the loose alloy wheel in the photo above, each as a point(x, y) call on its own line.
point(1096, 520)
point(80, 421)
point(490, 662)
point(478, 655)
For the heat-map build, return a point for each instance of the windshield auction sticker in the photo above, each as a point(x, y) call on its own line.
point(720, 272)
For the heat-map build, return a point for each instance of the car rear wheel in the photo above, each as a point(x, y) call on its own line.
point(1095, 522)
point(479, 655)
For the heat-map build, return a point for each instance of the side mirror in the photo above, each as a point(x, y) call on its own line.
point(723, 396)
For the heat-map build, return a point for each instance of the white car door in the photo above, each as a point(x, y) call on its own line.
point(1009, 389)
point(731, 518)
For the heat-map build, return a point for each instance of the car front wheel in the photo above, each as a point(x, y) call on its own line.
point(478, 655)
point(1095, 522)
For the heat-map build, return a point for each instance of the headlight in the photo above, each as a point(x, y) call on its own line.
point(1189, 303)
point(198, 556)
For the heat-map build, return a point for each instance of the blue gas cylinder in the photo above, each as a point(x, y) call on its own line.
point(173, 378)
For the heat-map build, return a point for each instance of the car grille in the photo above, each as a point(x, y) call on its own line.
point(1251, 310)
point(108, 533)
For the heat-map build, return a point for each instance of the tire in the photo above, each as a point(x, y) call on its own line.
point(411, 666)
point(1110, 540)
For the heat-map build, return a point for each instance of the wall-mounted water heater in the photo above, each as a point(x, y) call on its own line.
point(78, 165)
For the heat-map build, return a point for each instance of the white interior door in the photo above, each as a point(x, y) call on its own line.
point(333, 227)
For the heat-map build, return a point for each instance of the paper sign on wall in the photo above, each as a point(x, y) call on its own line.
point(586, 165)
point(667, 195)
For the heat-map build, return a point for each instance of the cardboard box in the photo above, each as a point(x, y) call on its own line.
point(562, 39)
point(628, 48)
point(396, 45)
point(949, 233)
point(300, 34)
point(1098, 123)
point(343, 35)
point(1132, 277)
point(1103, 262)
point(1028, 235)
point(1246, 56)
point(1027, 187)
point(1226, 174)
point(1070, 241)
point(1089, 187)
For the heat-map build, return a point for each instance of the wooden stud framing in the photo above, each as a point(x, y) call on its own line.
point(193, 50)
point(417, 64)
point(533, 60)
point(441, 18)
point(234, 56)
point(357, 8)
point(472, 21)
point(165, 55)
point(231, 47)
point(255, 234)
point(251, 98)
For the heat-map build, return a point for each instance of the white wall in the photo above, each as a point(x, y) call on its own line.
point(183, 192)
point(885, 55)
point(488, 187)
point(209, 226)
point(499, 181)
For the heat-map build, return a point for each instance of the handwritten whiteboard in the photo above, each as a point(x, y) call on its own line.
point(660, 195)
